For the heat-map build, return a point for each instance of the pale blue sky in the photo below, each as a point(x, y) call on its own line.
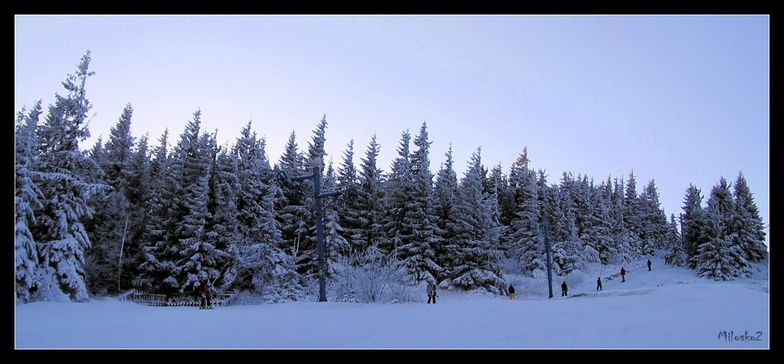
point(676, 99)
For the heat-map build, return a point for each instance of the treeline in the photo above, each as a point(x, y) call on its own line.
point(126, 214)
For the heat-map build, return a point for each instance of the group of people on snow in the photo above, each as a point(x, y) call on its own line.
point(431, 287)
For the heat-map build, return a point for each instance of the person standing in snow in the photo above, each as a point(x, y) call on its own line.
point(511, 292)
point(204, 289)
point(431, 292)
point(623, 274)
point(599, 284)
point(563, 289)
point(649, 265)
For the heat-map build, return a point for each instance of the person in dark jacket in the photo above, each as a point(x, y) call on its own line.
point(599, 284)
point(649, 265)
point(204, 290)
point(431, 292)
point(563, 289)
point(623, 274)
point(511, 292)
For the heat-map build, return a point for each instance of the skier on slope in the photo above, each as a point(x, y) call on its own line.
point(431, 292)
point(204, 290)
point(511, 292)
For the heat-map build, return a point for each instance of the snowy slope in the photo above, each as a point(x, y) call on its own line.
point(664, 308)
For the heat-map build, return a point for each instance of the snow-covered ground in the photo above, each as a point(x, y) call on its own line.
point(663, 308)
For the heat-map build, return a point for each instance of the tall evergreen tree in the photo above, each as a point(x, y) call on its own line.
point(599, 235)
point(398, 190)
point(633, 216)
point(138, 192)
point(445, 191)
point(474, 254)
point(222, 234)
point(564, 235)
point(200, 250)
point(719, 256)
point(27, 200)
point(418, 249)
point(295, 217)
point(59, 232)
point(184, 252)
point(676, 254)
point(525, 225)
point(653, 225)
point(108, 228)
point(335, 245)
point(163, 219)
point(351, 215)
point(693, 220)
point(748, 224)
point(370, 197)
point(621, 236)
point(262, 265)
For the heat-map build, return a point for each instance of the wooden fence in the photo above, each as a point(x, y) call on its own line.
point(179, 299)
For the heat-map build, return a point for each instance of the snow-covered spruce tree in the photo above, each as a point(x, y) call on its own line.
point(549, 197)
point(108, 228)
point(335, 245)
point(138, 192)
point(474, 257)
point(203, 240)
point(162, 219)
point(261, 267)
point(350, 216)
point(418, 249)
point(633, 216)
point(221, 231)
point(174, 263)
point(498, 183)
point(565, 243)
point(653, 221)
point(507, 208)
point(370, 197)
point(27, 199)
point(676, 254)
point(748, 224)
point(621, 236)
point(445, 194)
point(410, 226)
point(719, 256)
point(582, 199)
point(598, 236)
point(295, 216)
point(526, 246)
point(693, 224)
point(397, 191)
point(58, 230)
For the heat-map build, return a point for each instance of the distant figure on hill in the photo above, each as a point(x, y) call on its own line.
point(511, 292)
point(623, 274)
point(599, 284)
point(204, 289)
point(649, 265)
point(563, 289)
point(431, 292)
